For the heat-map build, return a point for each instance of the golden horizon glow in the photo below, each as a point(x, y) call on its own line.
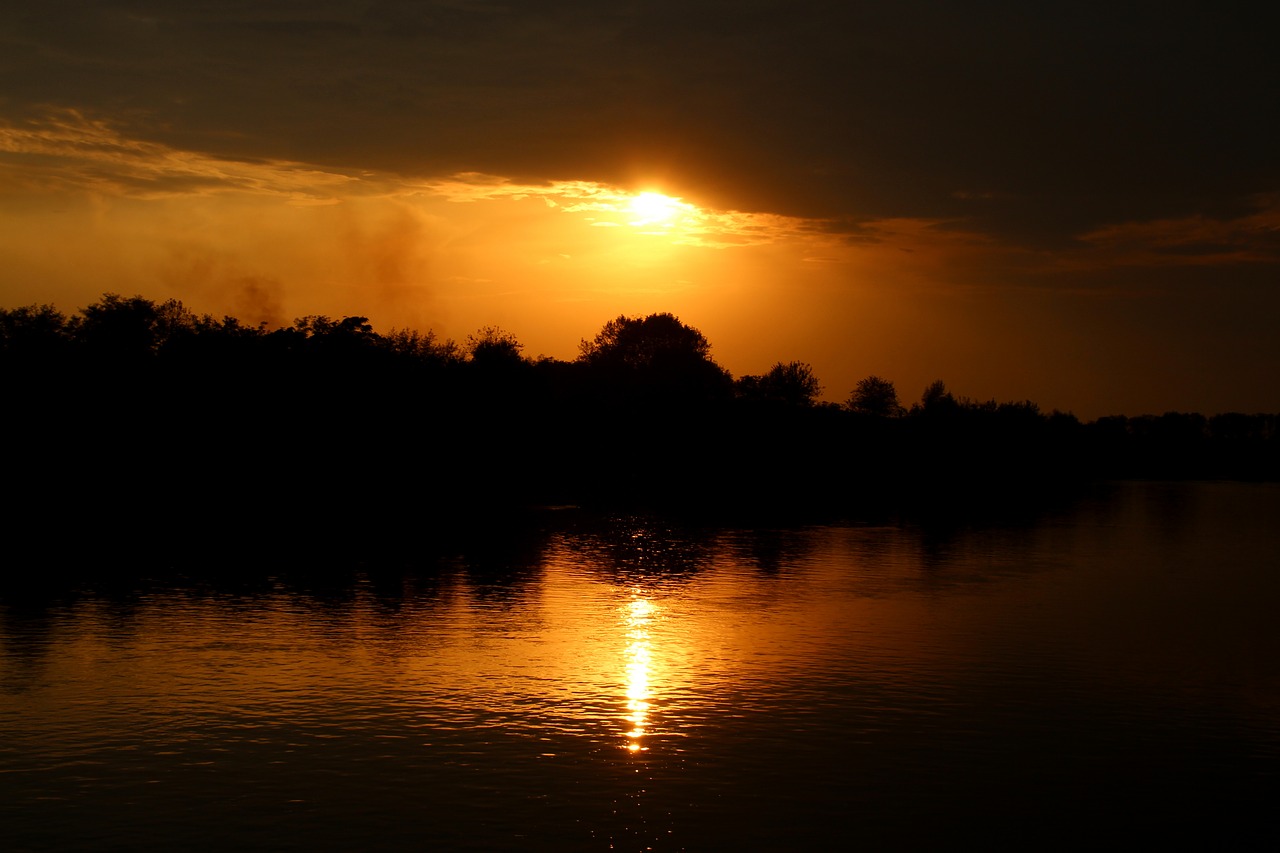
point(90, 205)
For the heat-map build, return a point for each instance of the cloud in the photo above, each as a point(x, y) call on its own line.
point(1053, 121)
point(607, 206)
point(65, 149)
point(1191, 240)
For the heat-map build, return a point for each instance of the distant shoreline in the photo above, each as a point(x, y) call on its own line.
point(136, 418)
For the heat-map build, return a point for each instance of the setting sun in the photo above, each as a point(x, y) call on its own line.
point(653, 208)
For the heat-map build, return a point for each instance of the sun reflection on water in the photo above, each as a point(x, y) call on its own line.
point(638, 615)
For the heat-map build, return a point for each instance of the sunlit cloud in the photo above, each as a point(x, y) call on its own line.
point(67, 150)
point(600, 205)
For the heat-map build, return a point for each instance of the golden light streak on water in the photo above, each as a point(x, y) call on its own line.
point(639, 613)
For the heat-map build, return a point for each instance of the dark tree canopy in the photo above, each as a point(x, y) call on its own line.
point(875, 396)
point(791, 383)
point(493, 346)
point(33, 331)
point(119, 327)
point(327, 332)
point(643, 342)
point(393, 429)
point(936, 399)
point(656, 357)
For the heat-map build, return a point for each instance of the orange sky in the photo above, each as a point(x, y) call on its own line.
point(230, 160)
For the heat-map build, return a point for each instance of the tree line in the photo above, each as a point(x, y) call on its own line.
point(133, 411)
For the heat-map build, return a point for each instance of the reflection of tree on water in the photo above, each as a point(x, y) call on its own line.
point(506, 569)
point(771, 550)
point(639, 550)
point(26, 632)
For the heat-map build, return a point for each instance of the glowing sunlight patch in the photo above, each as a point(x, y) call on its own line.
point(657, 209)
point(639, 613)
point(649, 215)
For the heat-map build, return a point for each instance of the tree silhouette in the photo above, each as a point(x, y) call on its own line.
point(657, 340)
point(875, 396)
point(791, 383)
point(657, 356)
point(421, 348)
point(936, 399)
point(643, 418)
point(494, 347)
point(344, 333)
point(34, 333)
point(119, 328)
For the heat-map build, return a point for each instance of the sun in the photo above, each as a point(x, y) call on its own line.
point(652, 208)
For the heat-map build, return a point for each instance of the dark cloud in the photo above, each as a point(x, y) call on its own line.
point(1032, 123)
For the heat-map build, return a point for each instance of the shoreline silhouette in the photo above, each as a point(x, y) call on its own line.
point(138, 421)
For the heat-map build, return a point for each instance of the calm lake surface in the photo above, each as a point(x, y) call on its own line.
point(1105, 672)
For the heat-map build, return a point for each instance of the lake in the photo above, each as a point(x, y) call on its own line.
point(1100, 673)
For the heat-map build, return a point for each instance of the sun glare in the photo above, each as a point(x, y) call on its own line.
point(652, 208)
point(639, 614)
point(651, 215)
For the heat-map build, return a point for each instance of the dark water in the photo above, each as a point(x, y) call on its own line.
point(1104, 674)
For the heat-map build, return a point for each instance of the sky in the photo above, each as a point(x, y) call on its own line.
point(1076, 204)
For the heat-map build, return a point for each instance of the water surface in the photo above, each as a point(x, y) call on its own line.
point(1109, 671)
